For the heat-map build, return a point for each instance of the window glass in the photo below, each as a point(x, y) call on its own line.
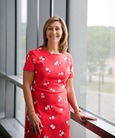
point(101, 58)
point(20, 106)
point(21, 34)
point(20, 56)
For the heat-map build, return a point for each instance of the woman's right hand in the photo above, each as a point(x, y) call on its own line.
point(35, 124)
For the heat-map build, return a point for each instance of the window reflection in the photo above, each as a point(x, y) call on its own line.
point(101, 58)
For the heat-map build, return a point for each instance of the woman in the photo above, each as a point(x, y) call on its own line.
point(48, 85)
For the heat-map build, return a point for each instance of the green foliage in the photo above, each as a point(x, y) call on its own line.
point(100, 46)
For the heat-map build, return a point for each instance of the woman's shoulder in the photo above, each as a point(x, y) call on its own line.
point(35, 50)
point(68, 54)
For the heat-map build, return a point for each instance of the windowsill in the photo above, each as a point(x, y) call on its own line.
point(12, 127)
point(101, 126)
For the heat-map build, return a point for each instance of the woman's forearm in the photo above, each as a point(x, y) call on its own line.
point(28, 99)
point(27, 83)
point(72, 100)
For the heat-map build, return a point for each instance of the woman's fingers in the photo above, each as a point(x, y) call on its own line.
point(83, 118)
point(89, 117)
point(36, 129)
point(41, 126)
point(35, 124)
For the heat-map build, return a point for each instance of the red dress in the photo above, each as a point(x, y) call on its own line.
point(49, 92)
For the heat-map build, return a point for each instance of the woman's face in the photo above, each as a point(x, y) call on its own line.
point(54, 32)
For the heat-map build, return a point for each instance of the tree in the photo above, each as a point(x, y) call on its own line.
point(99, 44)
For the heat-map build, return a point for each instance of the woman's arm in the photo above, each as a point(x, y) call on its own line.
point(27, 83)
point(73, 102)
point(71, 94)
point(34, 120)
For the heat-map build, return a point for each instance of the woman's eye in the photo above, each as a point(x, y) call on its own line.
point(57, 28)
point(53, 28)
point(50, 28)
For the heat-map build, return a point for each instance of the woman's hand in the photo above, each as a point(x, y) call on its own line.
point(83, 118)
point(35, 124)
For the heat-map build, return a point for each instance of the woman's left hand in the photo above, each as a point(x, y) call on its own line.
point(83, 118)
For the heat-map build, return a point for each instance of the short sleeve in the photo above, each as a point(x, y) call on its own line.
point(71, 73)
point(30, 62)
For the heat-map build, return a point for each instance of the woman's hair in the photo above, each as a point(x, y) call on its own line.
point(64, 40)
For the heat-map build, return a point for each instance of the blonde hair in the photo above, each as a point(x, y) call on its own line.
point(64, 40)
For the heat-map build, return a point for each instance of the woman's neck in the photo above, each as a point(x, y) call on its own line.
point(52, 48)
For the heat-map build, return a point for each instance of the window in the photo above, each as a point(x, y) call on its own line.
point(100, 91)
point(20, 106)
point(21, 34)
point(21, 53)
point(91, 43)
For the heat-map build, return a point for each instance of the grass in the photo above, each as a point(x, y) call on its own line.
point(106, 87)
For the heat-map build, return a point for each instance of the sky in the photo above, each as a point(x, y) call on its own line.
point(24, 10)
point(101, 12)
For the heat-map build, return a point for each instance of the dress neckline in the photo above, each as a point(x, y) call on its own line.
point(52, 53)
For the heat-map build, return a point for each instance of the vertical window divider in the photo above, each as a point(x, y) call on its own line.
point(51, 7)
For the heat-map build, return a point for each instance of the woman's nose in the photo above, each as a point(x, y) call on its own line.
point(54, 30)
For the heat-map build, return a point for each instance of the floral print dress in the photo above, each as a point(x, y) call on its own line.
point(49, 92)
